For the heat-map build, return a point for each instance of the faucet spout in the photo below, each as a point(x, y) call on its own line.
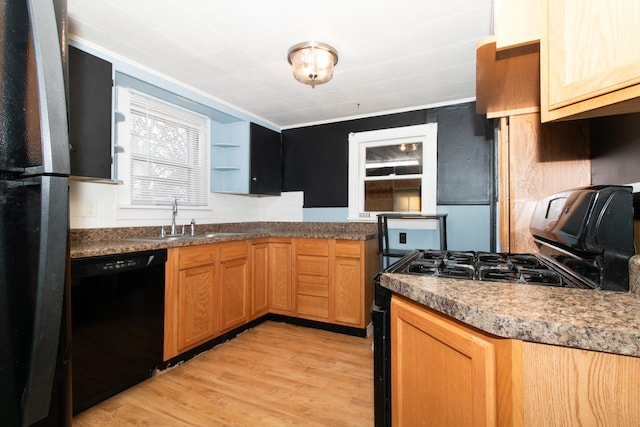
point(173, 216)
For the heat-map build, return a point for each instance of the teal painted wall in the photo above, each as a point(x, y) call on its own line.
point(468, 228)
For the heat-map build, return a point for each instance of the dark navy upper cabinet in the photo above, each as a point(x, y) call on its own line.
point(246, 158)
point(266, 161)
point(90, 114)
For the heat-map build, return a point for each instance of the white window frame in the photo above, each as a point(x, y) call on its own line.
point(426, 134)
point(123, 151)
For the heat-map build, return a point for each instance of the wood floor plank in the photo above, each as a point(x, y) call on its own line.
point(275, 374)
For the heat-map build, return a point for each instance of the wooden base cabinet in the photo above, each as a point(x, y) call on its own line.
point(206, 294)
point(234, 297)
point(271, 277)
point(334, 280)
point(215, 288)
point(572, 387)
point(445, 373)
point(312, 278)
point(190, 298)
point(259, 284)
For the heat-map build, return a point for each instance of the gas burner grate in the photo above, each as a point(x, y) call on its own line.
point(498, 274)
point(540, 276)
point(537, 276)
point(459, 271)
point(495, 259)
point(484, 266)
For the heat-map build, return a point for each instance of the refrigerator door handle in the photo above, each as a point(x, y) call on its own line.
point(51, 89)
point(50, 297)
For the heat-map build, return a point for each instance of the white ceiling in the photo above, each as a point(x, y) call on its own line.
point(393, 55)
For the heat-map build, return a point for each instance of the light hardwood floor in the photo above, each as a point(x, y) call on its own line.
point(272, 375)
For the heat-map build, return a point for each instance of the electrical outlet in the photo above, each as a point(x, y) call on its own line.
point(403, 237)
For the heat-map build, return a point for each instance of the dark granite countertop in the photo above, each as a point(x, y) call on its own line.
point(109, 241)
point(604, 321)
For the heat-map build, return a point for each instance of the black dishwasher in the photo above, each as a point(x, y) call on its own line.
point(117, 317)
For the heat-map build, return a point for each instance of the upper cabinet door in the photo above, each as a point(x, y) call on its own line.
point(246, 158)
point(590, 59)
point(266, 161)
point(518, 22)
point(90, 114)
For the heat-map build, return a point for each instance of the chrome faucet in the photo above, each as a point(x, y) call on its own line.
point(173, 216)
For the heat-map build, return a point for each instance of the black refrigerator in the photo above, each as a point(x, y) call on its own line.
point(34, 215)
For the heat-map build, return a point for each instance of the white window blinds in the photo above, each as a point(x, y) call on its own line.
point(169, 153)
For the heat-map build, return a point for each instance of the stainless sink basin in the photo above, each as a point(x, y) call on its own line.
point(173, 238)
point(159, 238)
point(215, 234)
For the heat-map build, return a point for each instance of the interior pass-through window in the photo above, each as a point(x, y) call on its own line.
point(393, 170)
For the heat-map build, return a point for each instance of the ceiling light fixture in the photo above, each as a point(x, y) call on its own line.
point(312, 62)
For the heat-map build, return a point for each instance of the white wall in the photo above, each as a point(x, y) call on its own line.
point(95, 205)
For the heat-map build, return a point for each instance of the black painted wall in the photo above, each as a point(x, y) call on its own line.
point(615, 149)
point(316, 158)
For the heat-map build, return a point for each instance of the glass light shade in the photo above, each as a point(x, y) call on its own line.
point(312, 62)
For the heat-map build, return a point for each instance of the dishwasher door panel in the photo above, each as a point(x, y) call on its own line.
point(117, 329)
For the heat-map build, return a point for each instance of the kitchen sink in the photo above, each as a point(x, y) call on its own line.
point(173, 237)
point(159, 238)
point(214, 234)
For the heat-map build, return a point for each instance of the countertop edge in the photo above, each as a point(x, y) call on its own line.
point(137, 244)
point(566, 317)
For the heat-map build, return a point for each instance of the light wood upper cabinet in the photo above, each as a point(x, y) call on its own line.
point(518, 22)
point(590, 59)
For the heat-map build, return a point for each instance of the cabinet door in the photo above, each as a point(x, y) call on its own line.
point(312, 279)
point(280, 278)
point(266, 161)
point(234, 298)
point(590, 57)
point(196, 302)
point(347, 298)
point(519, 22)
point(441, 374)
point(90, 105)
point(259, 279)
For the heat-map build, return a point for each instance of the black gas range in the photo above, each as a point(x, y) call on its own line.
point(484, 266)
point(585, 240)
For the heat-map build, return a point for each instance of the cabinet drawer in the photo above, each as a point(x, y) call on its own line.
point(194, 256)
point(313, 306)
point(313, 285)
point(318, 247)
point(234, 251)
point(313, 265)
point(347, 249)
